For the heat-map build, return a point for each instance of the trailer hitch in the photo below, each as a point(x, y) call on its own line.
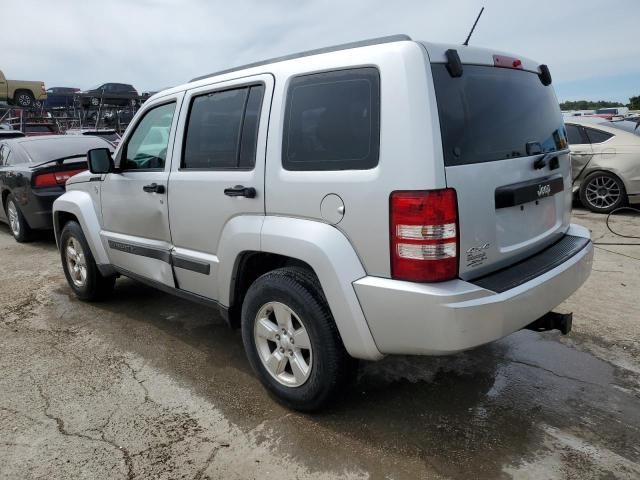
point(552, 321)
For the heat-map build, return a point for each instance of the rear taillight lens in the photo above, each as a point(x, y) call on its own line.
point(424, 235)
point(53, 179)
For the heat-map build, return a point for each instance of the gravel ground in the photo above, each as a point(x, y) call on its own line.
point(146, 385)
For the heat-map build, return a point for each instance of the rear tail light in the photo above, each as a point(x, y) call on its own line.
point(53, 179)
point(424, 235)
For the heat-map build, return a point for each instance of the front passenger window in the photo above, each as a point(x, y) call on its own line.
point(146, 149)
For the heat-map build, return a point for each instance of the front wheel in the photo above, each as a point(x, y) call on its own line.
point(79, 266)
point(291, 339)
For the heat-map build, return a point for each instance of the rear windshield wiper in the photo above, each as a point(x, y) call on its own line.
point(541, 162)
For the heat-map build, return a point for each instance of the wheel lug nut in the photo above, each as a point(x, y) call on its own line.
point(281, 350)
point(290, 352)
point(277, 337)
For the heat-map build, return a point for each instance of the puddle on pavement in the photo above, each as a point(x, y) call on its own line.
point(467, 415)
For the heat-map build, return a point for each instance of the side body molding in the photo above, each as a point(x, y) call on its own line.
point(80, 204)
point(334, 260)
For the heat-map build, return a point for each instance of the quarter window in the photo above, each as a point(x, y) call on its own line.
point(146, 149)
point(222, 129)
point(597, 136)
point(332, 121)
point(574, 135)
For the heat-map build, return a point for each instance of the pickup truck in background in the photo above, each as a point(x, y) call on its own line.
point(21, 92)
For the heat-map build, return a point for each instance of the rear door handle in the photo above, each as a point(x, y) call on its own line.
point(153, 188)
point(240, 191)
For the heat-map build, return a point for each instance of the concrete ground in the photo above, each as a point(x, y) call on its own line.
point(149, 386)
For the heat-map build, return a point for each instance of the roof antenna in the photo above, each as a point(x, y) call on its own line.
point(466, 42)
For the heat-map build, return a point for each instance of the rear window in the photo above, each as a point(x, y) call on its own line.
point(332, 121)
point(492, 114)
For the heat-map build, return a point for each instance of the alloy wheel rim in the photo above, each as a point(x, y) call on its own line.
point(76, 262)
point(603, 192)
point(14, 221)
point(24, 99)
point(283, 344)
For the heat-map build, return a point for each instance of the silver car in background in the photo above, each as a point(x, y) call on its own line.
point(605, 157)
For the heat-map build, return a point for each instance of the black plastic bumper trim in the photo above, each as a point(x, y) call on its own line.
point(534, 266)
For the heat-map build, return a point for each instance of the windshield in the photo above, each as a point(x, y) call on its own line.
point(492, 114)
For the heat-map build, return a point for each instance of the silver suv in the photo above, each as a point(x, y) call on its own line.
point(382, 197)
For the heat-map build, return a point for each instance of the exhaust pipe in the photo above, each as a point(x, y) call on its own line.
point(552, 321)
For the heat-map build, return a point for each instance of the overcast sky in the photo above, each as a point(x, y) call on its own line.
point(591, 46)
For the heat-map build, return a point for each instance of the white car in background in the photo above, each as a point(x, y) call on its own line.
point(605, 158)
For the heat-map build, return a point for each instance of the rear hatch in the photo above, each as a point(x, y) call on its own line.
point(506, 155)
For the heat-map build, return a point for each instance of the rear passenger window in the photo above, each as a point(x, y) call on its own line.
point(222, 129)
point(332, 121)
point(597, 136)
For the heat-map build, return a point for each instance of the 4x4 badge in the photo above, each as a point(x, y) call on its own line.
point(477, 255)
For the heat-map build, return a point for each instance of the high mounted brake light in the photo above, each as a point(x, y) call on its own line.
point(424, 235)
point(507, 62)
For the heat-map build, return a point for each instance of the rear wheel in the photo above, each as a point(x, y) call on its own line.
point(24, 99)
point(602, 192)
point(79, 266)
point(18, 224)
point(291, 340)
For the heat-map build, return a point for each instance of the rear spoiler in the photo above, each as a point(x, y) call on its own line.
point(59, 161)
point(455, 67)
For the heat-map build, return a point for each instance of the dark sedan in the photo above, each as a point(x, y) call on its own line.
point(119, 94)
point(33, 172)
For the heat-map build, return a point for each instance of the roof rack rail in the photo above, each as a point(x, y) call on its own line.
point(308, 53)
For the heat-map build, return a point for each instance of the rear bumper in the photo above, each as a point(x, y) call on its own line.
point(444, 318)
point(38, 211)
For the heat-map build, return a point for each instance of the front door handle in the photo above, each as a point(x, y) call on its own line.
point(240, 191)
point(153, 188)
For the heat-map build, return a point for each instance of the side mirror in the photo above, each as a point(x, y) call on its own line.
point(100, 160)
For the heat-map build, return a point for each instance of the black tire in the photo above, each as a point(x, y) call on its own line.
point(599, 178)
point(96, 286)
point(94, 102)
point(331, 368)
point(23, 233)
point(24, 99)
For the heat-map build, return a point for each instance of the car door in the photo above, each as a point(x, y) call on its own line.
point(217, 174)
point(581, 151)
point(134, 200)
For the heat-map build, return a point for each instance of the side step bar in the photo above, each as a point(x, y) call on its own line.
point(552, 321)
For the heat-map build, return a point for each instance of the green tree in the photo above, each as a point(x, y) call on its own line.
point(634, 103)
point(588, 104)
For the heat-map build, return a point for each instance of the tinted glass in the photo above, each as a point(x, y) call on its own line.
point(332, 121)
point(213, 131)
point(44, 149)
point(574, 136)
point(492, 113)
point(597, 136)
point(249, 138)
point(147, 146)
